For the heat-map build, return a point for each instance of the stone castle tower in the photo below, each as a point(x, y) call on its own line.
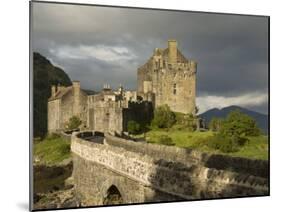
point(169, 78)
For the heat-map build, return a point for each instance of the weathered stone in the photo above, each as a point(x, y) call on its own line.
point(169, 78)
point(151, 177)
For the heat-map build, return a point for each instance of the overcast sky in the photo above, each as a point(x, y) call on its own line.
point(99, 45)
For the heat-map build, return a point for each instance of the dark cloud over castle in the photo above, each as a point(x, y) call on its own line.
point(98, 45)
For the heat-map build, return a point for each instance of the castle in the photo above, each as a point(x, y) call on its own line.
point(169, 78)
point(166, 78)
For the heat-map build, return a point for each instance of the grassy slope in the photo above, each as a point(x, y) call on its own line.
point(257, 148)
point(51, 151)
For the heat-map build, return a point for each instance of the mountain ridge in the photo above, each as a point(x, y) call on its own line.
point(261, 119)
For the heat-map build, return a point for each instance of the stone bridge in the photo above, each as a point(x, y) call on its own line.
point(112, 170)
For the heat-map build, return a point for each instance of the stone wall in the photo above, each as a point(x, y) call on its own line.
point(113, 116)
point(105, 116)
point(53, 115)
point(62, 108)
point(171, 78)
point(92, 182)
point(184, 155)
point(176, 89)
point(67, 109)
point(186, 179)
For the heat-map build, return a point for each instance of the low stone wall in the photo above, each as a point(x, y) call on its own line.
point(183, 155)
point(188, 179)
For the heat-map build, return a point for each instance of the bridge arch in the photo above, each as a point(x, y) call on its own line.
point(113, 196)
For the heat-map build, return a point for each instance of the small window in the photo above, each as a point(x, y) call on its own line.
point(175, 89)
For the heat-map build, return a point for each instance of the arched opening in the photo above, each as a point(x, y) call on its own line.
point(113, 196)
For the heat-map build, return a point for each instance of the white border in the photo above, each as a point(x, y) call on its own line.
point(15, 89)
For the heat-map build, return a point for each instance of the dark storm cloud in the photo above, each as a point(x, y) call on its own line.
point(106, 45)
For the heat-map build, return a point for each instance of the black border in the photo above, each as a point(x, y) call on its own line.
point(31, 191)
point(31, 104)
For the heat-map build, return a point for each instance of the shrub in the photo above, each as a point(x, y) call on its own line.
point(73, 123)
point(163, 117)
point(239, 124)
point(166, 140)
point(226, 144)
point(215, 124)
point(133, 127)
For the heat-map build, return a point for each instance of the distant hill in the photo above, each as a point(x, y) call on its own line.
point(45, 74)
point(261, 119)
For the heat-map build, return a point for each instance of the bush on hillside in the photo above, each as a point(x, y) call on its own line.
point(239, 124)
point(163, 117)
point(232, 132)
point(187, 122)
point(222, 143)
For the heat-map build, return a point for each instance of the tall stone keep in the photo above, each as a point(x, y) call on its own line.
point(168, 77)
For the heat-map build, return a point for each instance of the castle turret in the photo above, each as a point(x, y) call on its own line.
point(76, 96)
point(172, 51)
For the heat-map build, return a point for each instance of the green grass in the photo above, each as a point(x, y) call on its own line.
point(180, 138)
point(52, 150)
point(256, 148)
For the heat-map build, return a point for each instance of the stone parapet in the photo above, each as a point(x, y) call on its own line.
point(187, 179)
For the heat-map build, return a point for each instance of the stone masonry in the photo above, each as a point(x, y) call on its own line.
point(155, 177)
point(64, 103)
point(169, 78)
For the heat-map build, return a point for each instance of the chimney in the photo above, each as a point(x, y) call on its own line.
point(76, 96)
point(53, 90)
point(173, 51)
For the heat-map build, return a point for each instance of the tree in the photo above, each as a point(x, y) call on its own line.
point(215, 124)
point(133, 127)
point(163, 117)
point(239, 124)
point(73, 123)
